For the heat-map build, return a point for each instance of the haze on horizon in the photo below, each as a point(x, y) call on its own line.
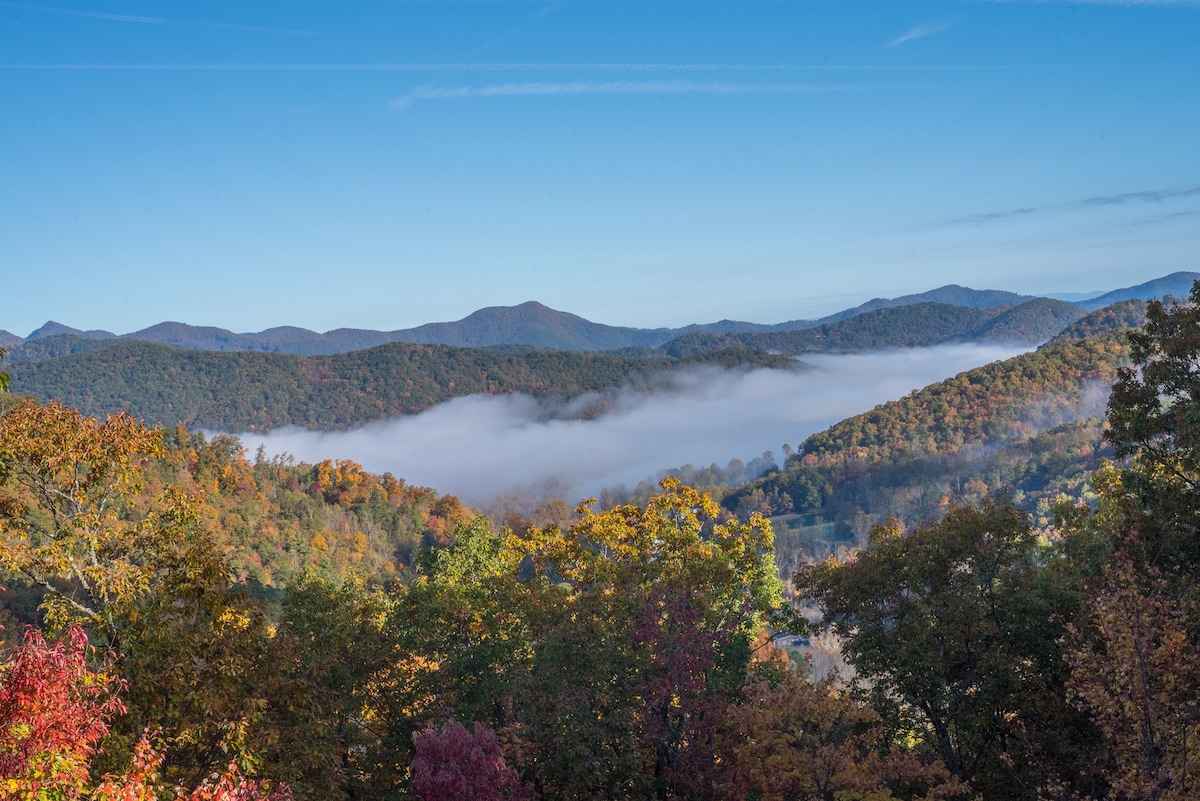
point(387, 164)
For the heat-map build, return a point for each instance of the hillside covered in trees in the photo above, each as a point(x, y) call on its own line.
point(247, 391)
point(909, 326)
point(236, 628)
point(1028, 424)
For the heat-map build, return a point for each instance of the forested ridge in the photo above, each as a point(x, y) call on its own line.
point(909, 326)
point(1117, 317)
point(1028, 424)
point(247, 391)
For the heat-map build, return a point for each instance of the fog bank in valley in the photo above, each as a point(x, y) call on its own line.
point(481, 447)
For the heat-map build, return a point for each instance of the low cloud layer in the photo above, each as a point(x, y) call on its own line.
point(482, 447)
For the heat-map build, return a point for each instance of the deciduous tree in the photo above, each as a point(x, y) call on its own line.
point(451, 763)
point(956, 632)
point(54, 711)
point(796, 741)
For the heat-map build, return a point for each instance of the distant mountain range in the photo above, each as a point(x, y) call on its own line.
point(1177, 284)
point(911, 326)
point(529, 323)
point(247, 390)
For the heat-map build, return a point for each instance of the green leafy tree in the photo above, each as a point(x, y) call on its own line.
point(601, 655)
point(955, 630)
point(459, 639)
point(657, 616)
point(1154, 418)
point(328, 652)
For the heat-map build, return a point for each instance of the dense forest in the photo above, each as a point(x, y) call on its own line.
point(214, 625)
point(1117, 317)
point(1027, 424)
point(247, 391)
point(910, 326)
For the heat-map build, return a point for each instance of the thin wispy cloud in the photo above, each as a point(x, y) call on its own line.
point(71, 12)
point(1121, 199)
point(572, 88)
point(1151, 196)
point(1162, 218)
point(535, 67)
point(141, 20)
point(920, 32)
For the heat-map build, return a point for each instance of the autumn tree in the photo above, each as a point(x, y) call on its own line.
point(54, 711)
point(452, 763)
point(795, 740)
point(1136, 671)
point(142, 782)
point(69, 518)
point(658, 608)
point(1136, 653)
point(139, 570)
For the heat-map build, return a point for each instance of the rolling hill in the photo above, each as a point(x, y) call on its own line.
point(1177, 284)
point(912, 326)
point(1029, 424)
point(248, 391)
point(1117, 317)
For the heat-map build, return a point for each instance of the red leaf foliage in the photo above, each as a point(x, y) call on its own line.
point(454, 764)
point(53, 713)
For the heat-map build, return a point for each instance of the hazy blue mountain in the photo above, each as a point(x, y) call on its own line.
point(910, 326)
point(285, 339)
point(1075, 297)
point(951, 294)
point(1177, 284)
point(534, 324)
point(51, 328)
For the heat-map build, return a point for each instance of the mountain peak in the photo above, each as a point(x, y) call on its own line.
point(51, 328)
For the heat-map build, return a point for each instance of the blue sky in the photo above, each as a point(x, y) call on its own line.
point(381, 163)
